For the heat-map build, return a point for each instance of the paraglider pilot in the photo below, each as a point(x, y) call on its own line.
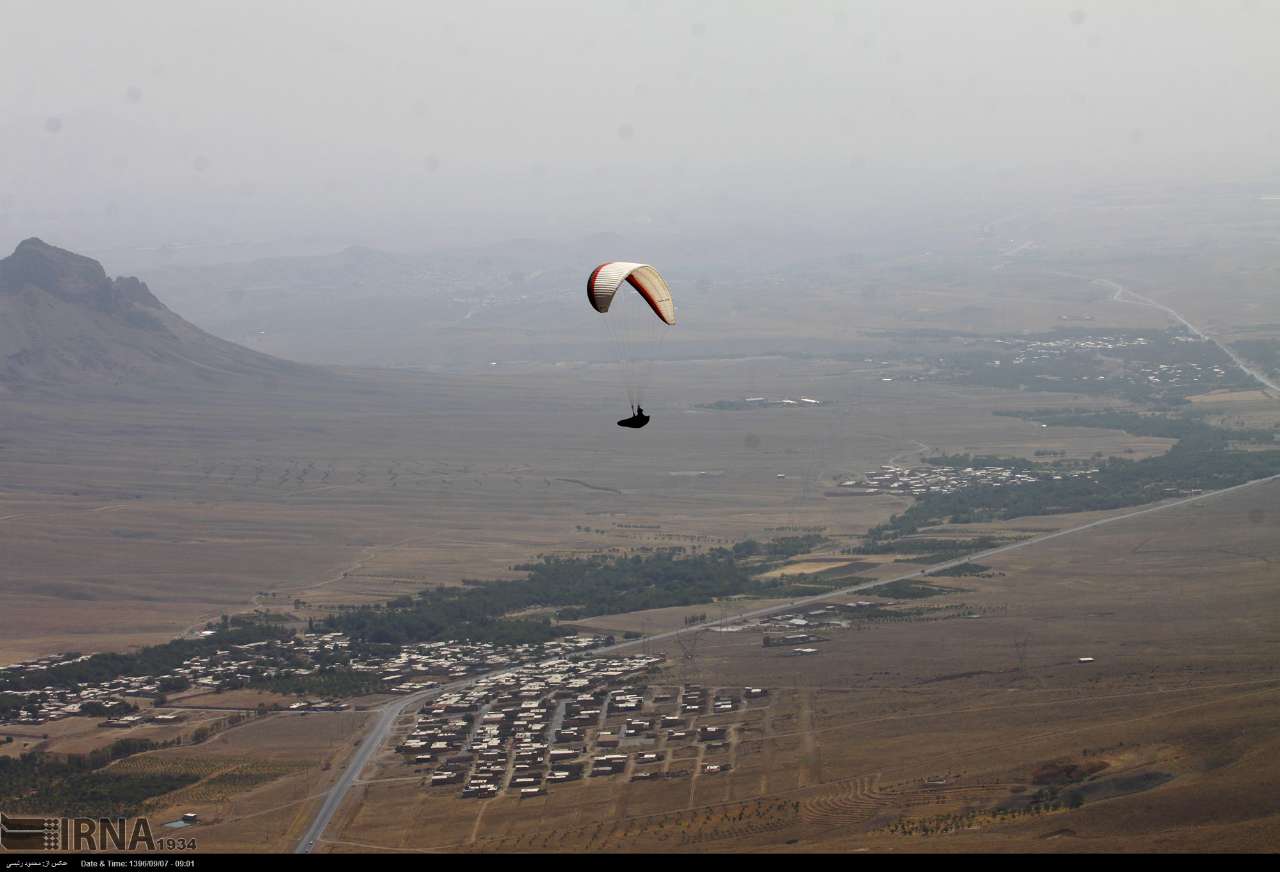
point(636, 421)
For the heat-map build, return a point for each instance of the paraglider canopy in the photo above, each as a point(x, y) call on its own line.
point(605, 280)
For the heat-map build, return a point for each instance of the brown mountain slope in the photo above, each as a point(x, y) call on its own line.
point(64, 321)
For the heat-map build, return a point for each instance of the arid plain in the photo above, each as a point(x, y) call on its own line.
point(138, 514)
point(371, 485)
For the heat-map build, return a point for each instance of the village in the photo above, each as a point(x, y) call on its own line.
point(1166, 366)
point(522, 717)
point(1174, 374)
point(560, 721)
point(1051, 349)
point(408, 670)
point(537, 673)
point(919, 481)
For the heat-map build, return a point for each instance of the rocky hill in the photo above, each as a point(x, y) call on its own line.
point(64, 321)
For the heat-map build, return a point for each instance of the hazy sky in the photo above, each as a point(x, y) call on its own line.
point(419, 123)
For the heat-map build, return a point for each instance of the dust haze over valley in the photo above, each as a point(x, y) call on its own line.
point(973, 390)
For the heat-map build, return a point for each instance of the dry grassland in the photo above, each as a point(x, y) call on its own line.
point(260, 781)
point(131, 521)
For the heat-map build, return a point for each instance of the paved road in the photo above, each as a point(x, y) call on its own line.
point(1124, 295)
point(377, 736)
point(374, 737)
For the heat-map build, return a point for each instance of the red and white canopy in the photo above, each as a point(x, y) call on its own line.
point(608, 277)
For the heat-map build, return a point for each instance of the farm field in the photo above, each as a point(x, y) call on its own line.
point(244, 699)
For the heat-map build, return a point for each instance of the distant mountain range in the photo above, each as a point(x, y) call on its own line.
point(365, 307)
point(521, 300)
point(64, 321)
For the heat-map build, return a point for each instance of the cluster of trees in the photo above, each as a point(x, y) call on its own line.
point(432, 620)
point(928, 548)
point(779, 549)
point(964, 569)
point(12, 705)
point(789, 546)
point(173, 684)
point(102, 794)
point(101, 709)
point(72, 784)
point(212, 728)
point(328, 682)
point(572, 588)
point(575, 588)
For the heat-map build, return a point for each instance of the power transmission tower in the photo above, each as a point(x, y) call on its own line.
point(688, 643)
